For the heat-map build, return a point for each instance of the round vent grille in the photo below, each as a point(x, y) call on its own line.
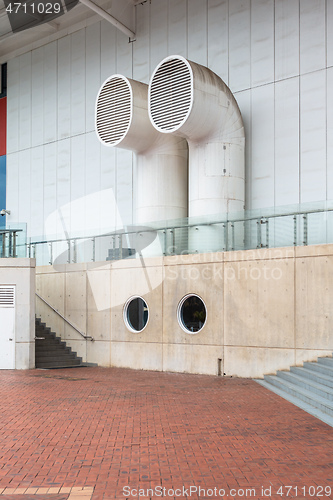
point(113, 110)
point(170, 94)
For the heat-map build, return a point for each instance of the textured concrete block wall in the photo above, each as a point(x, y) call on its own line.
point(267, 309)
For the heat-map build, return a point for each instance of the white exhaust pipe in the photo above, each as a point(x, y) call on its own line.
point(190, 101)
point(122, 121)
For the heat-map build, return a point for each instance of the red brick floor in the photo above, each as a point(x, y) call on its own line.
point(115, 428)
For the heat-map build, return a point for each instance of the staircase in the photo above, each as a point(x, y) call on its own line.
point(51, 351)
point(309, 387)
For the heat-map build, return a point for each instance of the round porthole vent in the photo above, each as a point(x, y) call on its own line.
point(192, 313)
point(136, 314)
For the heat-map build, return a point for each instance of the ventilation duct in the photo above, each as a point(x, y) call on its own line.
point(190, 101)
point(122, 121)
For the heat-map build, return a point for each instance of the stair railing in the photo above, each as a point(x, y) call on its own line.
point(86, 337)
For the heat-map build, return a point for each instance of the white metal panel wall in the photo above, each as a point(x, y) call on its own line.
point(52, 91)
point(77, 87)
point(239, 45)
point(312, 35)
point(158, 33)
point(286, 38)
point(330, 134)
point(262, 42)
point(177, 28)
point(37, 97)
point(36, 191)
point(24, 186)
point(287, 142)
point(197, 31)
point(64, 88)
point(329, 32)
point(262, 125)
point(24, 129)
point(218, 41)
point(13, 92)
point(93, 66)
point(313, 137)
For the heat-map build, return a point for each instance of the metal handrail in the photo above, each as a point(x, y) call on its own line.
point(86, 337)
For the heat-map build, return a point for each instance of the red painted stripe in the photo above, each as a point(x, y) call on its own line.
point(3, 125)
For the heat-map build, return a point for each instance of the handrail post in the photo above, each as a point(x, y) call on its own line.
point(93, 249)
point(259, 233)
point(51, 253)
point(305, 229)
point(69, 251)
point(295, 229)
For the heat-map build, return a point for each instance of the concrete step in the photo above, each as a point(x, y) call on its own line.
point(51, 351)
point(315, 387)
point(319, 367)
point(324, 417)
point(313, 375)
point(326, 361)
point(304, 395)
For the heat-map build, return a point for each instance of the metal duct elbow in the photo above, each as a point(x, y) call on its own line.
point(122, 121)
point(190, 101)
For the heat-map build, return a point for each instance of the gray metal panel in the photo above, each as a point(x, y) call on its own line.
point(197, 31)
point(263, 146)
point(36, 228)
point(330, 134)
point(50, 186)
point(12, 180)
point(141, 69)
point(262, 41)
point(63, 172)
point(93, 68)
point(239, 45)
point(25, 102)
point(312, 35)
point(64, 85)
point(177, 28)
point(313, 136)
point(78, 183)
point(287, 142)
point(93, 183)
point(37, 97)
point(108, 182)
point(24, 179)
point(108, 50)
point(218, 43)
point(124, 188)
point(286, 38)
point(124, 58)
point(13, 92)
point(78, 78)
point(158, 32)
point(329, 29)
point(50, 92)
point(244, 102)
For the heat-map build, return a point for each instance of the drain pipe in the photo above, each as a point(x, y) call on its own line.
point(190, 101)
point(122, 121)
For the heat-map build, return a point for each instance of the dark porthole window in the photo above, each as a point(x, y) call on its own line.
point(192, 313)
point(136, 314)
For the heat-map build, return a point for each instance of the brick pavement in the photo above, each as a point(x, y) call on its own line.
point(109, 429)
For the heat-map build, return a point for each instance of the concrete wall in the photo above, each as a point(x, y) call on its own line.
point(267, 309)
point(276, 56)
point(20, 273)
